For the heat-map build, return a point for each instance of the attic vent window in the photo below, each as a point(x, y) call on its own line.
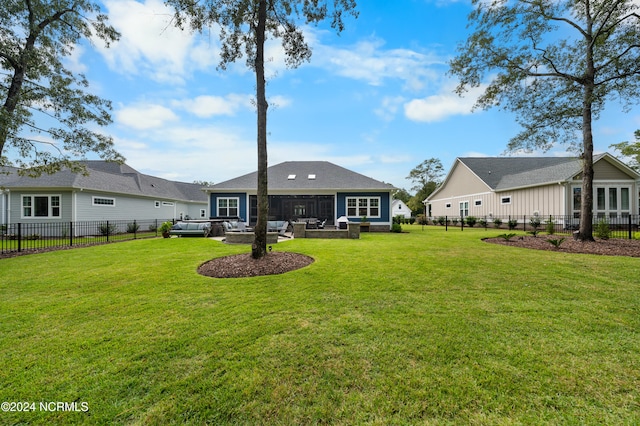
point(291, 177)
point(312, 177)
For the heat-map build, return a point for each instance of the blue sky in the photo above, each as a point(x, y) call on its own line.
point(375, 99)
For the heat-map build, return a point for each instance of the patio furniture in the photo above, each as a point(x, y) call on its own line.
point(191, 229)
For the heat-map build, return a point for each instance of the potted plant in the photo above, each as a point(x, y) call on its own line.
point(165, 228)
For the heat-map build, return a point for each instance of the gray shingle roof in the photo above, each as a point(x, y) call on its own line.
point(502, 173)
point(294, 175)
point(109, 177)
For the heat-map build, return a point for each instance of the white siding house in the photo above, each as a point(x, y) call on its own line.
point(399, 208)
point(526, 186)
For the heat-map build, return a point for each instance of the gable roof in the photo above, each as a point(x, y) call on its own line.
point(304, 175)
point(108, 177)
point(508, 173)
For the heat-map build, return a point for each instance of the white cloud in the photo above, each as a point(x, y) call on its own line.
point(389, 107)
point(208, 106)
point(150, 45)
point(368, 61)
point(144, 116)
point(442, 106)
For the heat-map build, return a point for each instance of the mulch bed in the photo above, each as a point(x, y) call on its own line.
point(243, 265)
point(610, 247)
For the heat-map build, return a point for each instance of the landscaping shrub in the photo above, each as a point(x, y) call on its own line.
point(603, 231)
point(482, 223)
point(550, 227)
point(108, 229)
point(471, 221)
point(132, 228)
point(497, 222)
point(512, 224)
point(396, 227)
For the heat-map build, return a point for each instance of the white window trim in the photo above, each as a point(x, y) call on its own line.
point(369, 215)
point(503, 197)
point(33, 216)
point(228, 198)
point(156, 204)
point(203, 213)
point(477, 203)
point(94, 198)
point(619, 211)
point(168, 204)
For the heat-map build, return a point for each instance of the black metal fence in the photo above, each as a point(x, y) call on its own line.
point(610, 226)
point(24, 237)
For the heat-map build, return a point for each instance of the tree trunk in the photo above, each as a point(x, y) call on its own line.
point(259, 248)
point(585, 233)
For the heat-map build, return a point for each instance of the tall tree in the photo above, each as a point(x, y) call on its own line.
point(630, 149)
point(555, 63)
point(245, 25)
point(426, 177)
point(37, 88)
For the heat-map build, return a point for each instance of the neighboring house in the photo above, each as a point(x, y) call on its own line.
point(109, 192)
point(306, 189)
point(399, 208)
point(526, 186)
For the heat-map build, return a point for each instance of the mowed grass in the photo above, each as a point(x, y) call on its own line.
point(424, 327)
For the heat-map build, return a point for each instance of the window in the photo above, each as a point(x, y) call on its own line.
point(291, 177)
point(505, 200)
point(101, 201)
point(167, 204)
point(612, 202)
point(203, 213)
point(447, 206)
point(312, 177)
point(363, 206)
point(41, 206)
point(156, 204)
point(464, 208)
point(477, 203)
point(228, 206)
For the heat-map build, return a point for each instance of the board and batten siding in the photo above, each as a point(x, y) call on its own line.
point(543, 200)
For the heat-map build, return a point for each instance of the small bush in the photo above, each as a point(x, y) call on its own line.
point(396, 227)
point(534, 223)
point(482, 223)
point(512, 224)
point(550, 227)
point(471, 221)
point(497, 222)
point(441, 220)
point(556, 242)
point(106, 229)
point(506, 237)
point(132, 228)
point(455, 221)
point(602, 230)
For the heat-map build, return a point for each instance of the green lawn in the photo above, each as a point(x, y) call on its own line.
point(425, 327)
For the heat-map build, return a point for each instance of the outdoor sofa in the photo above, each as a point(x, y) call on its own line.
point(191, 229)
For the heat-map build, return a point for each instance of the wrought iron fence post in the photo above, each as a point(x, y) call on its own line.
point(19, 236)
point(108, 231)
point(71, 234)
point(630, 236)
